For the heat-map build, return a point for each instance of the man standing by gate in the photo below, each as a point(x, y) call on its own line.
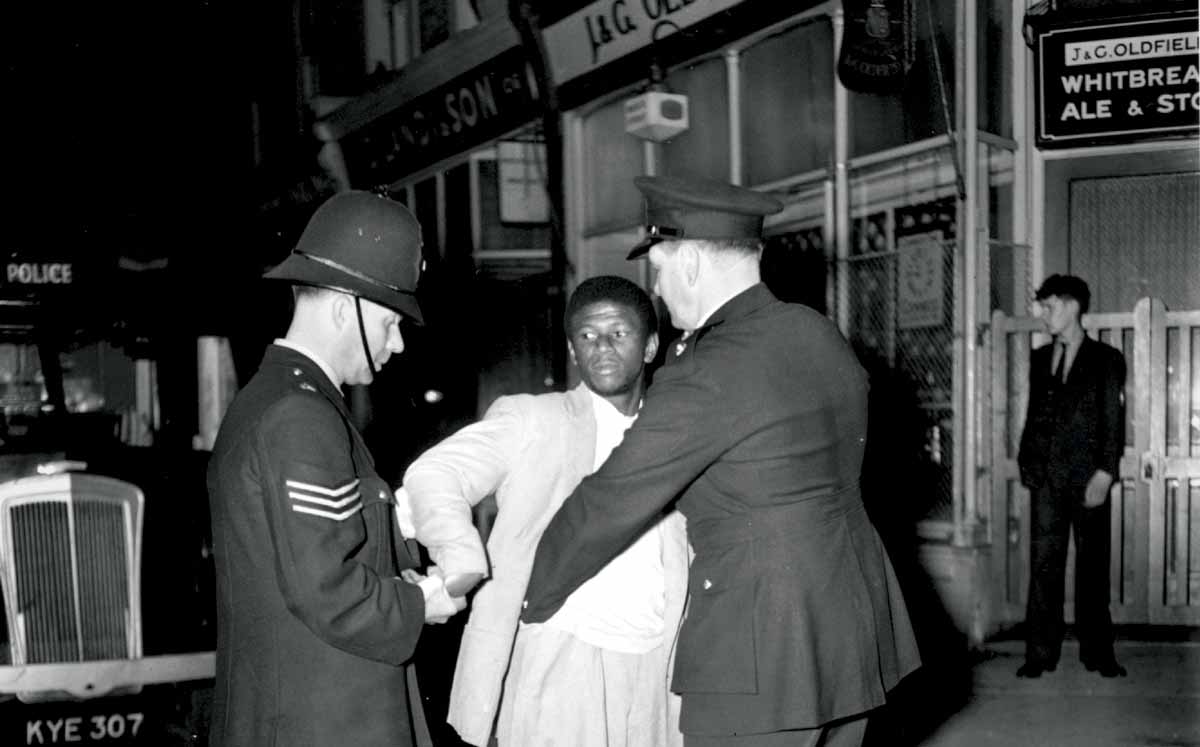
point(1070, 448)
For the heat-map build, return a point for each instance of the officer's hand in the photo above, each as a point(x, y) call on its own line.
point(440, 606)
point(458, 584)
point(1097, 489)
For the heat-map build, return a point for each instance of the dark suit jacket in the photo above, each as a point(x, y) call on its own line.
point(312, 622)
point(757, 424)
point(1077, 427)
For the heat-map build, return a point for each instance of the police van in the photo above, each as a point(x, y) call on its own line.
point(108, 627)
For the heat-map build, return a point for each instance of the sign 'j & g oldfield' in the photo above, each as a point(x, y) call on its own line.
point(1117, 82)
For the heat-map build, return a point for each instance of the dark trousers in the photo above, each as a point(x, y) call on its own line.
point(1054, 513)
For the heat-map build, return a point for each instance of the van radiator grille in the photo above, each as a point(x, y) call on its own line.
point(75, 605)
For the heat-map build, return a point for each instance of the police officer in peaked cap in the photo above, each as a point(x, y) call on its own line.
point(754, 428)
point(319, 605)
point(678, 208)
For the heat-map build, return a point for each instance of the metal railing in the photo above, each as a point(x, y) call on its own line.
point(904, 314)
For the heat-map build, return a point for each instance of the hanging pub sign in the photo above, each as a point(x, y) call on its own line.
point(1118, 81)
point(475, 107)
point(878, 46)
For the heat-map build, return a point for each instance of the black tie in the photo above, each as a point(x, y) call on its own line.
point(1062, 362)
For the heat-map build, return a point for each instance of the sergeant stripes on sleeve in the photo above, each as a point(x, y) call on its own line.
point(337, 503)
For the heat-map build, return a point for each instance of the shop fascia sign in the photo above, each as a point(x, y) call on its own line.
point(605, 31)
point(1118, 81)
point(463, 113)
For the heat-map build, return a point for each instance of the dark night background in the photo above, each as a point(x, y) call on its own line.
point(128, 134)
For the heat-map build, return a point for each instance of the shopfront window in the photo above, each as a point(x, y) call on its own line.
point(1010, 288)
point(787, 103)
point(512, 228)
point(613, 159)
point(425, 207)
point(995, 73)
point(703, 150)
point(459, 241)
point(794, 266)
point(436, 20)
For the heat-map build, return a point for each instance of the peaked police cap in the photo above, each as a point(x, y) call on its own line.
point(679, 208)
point(362, 244)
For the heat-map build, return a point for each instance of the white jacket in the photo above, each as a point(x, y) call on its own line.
point(531, 451)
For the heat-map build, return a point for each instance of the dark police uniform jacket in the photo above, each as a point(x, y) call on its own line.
point(314, 625)
point(757, 424)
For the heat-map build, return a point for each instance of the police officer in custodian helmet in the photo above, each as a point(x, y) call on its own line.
point(318, 608)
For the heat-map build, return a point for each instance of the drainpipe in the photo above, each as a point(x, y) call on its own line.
point(1022, 209)
point(733, 90)
point(841, 179)
point(524, 16)
point(966, 518)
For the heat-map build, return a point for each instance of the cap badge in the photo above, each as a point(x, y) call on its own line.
point(664, 232)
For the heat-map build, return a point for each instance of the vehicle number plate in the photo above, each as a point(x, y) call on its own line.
point(99, 727)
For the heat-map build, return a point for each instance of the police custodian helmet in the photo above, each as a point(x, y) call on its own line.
point(363, 244)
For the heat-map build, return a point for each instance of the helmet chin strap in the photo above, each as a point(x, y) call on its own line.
point(362, 333)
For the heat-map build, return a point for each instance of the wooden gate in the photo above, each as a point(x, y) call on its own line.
point(1155, 573)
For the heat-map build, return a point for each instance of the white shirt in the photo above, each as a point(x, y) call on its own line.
point(325, 367)
point(622, 607)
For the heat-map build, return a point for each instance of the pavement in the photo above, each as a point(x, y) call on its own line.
point(1156, 705)
point(974, 698)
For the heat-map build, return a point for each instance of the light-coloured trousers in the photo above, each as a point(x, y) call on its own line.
point(562, 692)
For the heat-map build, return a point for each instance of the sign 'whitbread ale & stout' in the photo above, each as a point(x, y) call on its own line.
point(1118, 81)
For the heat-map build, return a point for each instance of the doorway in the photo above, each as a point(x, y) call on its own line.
point(1155, 564)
